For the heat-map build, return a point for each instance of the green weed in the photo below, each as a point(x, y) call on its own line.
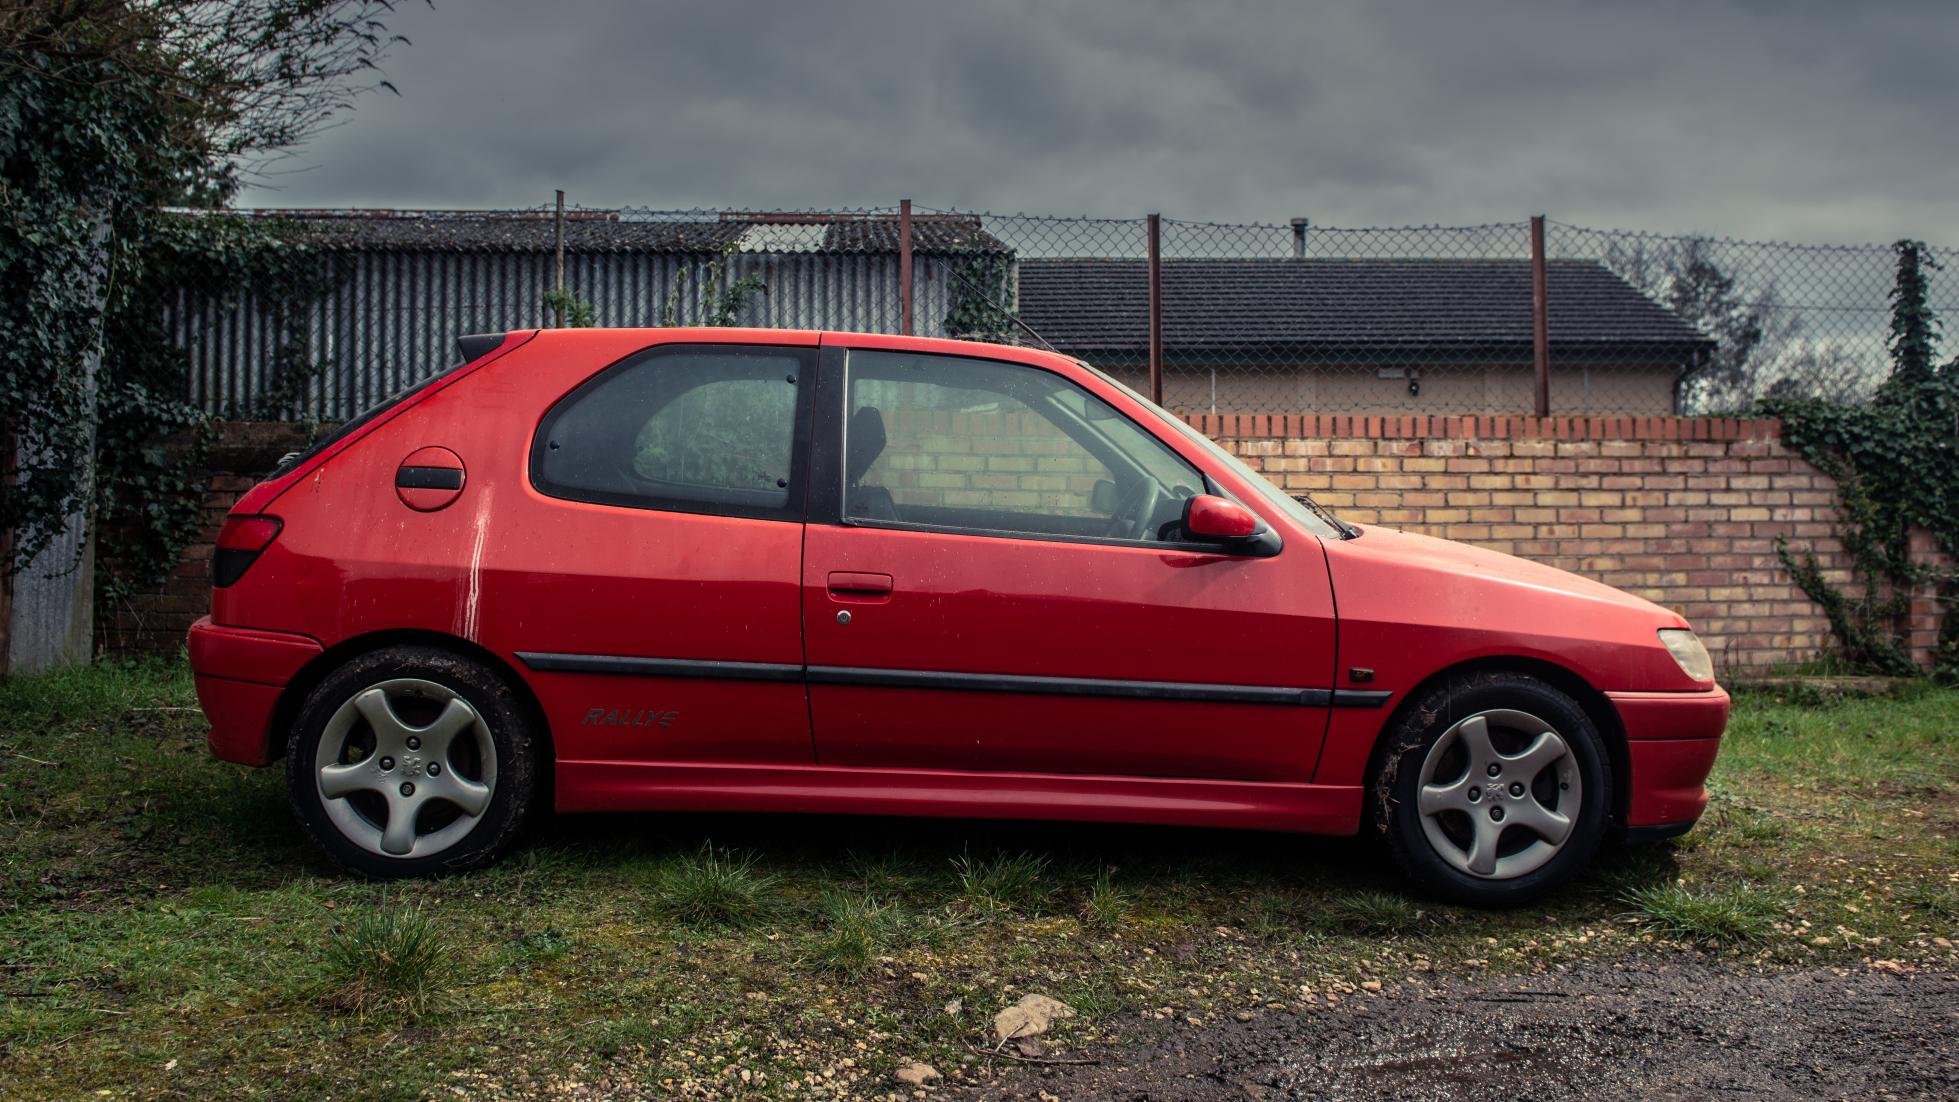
point(716, 888)
point(384, 958)
point(1003, 884)
point(1704, 915)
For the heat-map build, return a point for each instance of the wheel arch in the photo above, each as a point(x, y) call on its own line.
point(1597, 708)
point(318, 668)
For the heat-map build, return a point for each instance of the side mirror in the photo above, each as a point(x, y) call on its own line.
point(1212, 519)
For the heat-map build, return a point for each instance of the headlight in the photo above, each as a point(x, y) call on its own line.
point(1687, 650)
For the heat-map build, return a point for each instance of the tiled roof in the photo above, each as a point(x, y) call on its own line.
point(1102, 305)
point(589, 231)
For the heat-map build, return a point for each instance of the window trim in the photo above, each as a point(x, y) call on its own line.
point(1185, 546)
point(794, 507)
point(832, 445)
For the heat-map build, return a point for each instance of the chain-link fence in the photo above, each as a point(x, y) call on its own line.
point(1782, 320)
point(1260, 318)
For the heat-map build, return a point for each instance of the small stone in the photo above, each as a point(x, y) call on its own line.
point(1243, 1015)
point(917, 1074)
point(1029, 1017)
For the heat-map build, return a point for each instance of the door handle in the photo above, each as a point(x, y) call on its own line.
point(856, 584)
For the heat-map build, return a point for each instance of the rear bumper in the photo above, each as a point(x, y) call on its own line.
point(1671, 743)
point(240, 674)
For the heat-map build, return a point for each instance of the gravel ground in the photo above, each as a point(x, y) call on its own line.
point(1633, 1031)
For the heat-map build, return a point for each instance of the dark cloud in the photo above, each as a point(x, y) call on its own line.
point(1805, 121)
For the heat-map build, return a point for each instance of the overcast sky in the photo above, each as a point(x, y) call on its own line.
point(1817, 122)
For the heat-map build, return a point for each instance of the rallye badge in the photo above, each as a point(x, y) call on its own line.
point(629, 717)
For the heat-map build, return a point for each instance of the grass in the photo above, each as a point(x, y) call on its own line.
point(1714, 916)
point(1370, 913)
point(715, 888)
point(1004, 883)
point(166, 932)
point(1105, 905)
point(857, 930)
point(386, 958)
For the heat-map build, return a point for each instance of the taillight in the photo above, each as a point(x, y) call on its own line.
point(239, 543)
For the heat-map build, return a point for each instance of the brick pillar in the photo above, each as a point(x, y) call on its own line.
point(1925, 609)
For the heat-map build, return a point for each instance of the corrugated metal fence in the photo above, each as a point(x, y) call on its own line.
point(1266, 318)
point(392, 316)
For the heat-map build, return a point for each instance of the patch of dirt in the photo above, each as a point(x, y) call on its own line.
point(1639, 1030)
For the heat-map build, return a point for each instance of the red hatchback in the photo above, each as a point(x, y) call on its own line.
point(762, 570)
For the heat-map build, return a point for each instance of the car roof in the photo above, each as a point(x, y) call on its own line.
point(813, 337)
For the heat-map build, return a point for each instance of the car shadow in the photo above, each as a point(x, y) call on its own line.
point(236, 830)
point(841, 843)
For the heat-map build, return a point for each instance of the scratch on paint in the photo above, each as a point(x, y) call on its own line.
point(475, 593)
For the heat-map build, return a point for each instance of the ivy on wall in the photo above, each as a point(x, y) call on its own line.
point(980, 294)
point(81, 143)
point(150, 439)
point(112, 112)
point(1895, 460)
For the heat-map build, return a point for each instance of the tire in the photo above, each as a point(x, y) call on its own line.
point(1466, 835)
point(418, 736)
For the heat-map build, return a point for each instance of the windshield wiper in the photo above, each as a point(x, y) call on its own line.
point(1347, 531)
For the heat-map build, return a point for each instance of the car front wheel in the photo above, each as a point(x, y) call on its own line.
point(1495, 789)
point(411, 761)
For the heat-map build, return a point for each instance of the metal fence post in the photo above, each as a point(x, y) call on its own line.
point(904, 266)
point(559, 283)
point(1156, 308)
point(1540, 320)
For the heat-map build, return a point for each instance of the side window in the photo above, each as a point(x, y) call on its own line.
point(950, 442)
point(697, 429)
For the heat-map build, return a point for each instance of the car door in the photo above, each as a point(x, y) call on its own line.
point(993, 580)
point(649, 579)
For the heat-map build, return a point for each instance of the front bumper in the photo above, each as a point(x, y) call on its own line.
point(240, 674)
point(1671, 743)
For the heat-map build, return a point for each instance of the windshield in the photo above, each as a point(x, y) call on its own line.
point(1309, 514)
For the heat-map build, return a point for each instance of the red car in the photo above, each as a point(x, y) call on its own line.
point(720, 569)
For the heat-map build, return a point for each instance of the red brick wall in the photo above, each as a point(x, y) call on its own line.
point(155, 622)
point(1682, 511)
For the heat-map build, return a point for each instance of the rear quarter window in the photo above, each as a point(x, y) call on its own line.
point(698, 429)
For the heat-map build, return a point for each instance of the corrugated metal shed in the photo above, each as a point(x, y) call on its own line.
point(406, 283)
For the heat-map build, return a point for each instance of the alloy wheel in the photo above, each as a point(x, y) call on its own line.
point(406, 768)
point(1500, 793)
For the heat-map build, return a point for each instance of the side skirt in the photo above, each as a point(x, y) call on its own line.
point(852, 790)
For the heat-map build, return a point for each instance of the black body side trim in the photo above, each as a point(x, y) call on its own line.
point(661, 667)
point(1360, 698)
point(429, 478)
point(954, 682)
point(1066, 686)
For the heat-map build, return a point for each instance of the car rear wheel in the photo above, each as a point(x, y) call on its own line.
point(1495, 789)
point(411, 761)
